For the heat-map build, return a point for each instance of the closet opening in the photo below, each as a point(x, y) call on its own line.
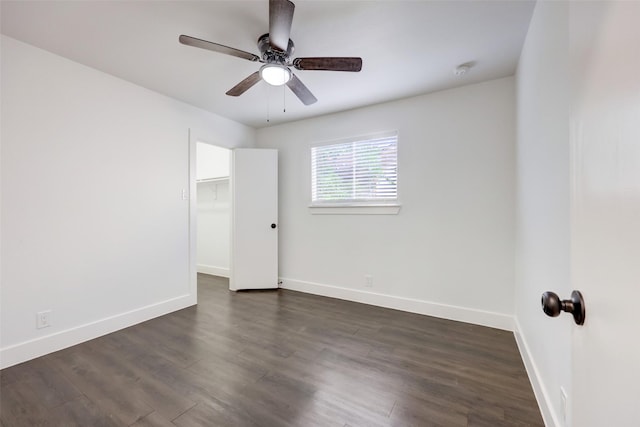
point(213, 206)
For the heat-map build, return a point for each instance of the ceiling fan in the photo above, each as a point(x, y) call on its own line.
point(276, 48)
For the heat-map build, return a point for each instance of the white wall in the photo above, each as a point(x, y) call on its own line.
point(543, 197)
point(449, 252)
point(214, 227)
point(94, 227)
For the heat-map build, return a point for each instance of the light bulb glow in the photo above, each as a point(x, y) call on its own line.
point(275, 75)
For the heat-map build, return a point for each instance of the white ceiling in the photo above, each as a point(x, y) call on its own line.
point(408, 47)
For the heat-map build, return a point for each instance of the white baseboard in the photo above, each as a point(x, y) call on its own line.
point(549, 415)
point(451, 312)
point(214, 271)
point(18, 353)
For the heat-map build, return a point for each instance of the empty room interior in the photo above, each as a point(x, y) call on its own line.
point(319, 213)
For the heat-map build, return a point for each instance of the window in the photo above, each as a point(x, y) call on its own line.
point(356, 172)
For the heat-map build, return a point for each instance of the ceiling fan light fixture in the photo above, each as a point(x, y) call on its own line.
point(275, 74)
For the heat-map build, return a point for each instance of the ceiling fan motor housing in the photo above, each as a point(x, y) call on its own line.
point(272, 55)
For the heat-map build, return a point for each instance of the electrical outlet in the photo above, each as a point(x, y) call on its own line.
point(43, 319)
point(368, 281)
point(563, 405)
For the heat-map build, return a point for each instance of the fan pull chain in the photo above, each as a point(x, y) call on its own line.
point(284, 99)
point(267, 104)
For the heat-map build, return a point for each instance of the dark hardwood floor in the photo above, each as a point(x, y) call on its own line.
point(277, 358)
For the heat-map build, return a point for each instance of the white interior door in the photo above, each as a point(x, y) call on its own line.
point(605, 138)
point(254, 193)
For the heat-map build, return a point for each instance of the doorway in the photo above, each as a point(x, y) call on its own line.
point(235, 191)
point(213, 202)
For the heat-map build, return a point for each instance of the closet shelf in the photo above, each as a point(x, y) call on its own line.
point(221, 179)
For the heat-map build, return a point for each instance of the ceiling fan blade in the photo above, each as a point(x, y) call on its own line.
point(215, 47)
point(301, 90)
point(328, 64)
point(244, 85)
point(280, 19)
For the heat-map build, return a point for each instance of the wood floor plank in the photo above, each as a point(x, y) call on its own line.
point(154, 419)
point(143, 388)
point(48, 385)
point(79, 413)
point(19, 408)
point(277, 358)
point(410, 411)
point(204, 415)
point(112, 394)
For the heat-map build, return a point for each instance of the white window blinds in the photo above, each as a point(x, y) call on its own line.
point(359, 171)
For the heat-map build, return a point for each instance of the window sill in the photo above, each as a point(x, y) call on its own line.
point(354, 209)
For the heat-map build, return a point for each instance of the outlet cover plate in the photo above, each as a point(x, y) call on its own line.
point(43, 319)
point(368, 281)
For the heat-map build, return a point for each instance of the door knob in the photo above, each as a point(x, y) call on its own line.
point(552, 305)
point(273, 226)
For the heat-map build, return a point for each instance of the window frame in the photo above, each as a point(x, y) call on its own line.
point(354, 207)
